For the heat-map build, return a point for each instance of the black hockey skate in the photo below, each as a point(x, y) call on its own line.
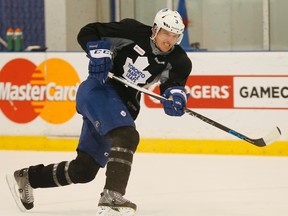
point(21, 189)
point(112, 203)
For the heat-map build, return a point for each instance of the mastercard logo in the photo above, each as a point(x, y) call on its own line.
point(47, 90)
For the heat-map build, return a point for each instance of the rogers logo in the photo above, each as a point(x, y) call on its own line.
point(48, 90)
point(205, 92)
point(220, 92)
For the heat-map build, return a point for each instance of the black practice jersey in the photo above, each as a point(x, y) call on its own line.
point(137, 59)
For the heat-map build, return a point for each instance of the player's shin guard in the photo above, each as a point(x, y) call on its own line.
point(118, 170)
point(83, 169)
point(53, 175)
point(124, 143)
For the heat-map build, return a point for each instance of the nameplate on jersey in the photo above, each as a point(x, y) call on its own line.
point(134, 71)
point(139, 50)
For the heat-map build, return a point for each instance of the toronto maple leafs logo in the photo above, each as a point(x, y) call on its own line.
point(134, 72)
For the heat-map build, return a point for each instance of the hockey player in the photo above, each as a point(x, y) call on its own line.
point(141, 54)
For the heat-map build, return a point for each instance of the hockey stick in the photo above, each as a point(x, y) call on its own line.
point(268, 139)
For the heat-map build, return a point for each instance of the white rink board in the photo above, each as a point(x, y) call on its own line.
point(153, 123)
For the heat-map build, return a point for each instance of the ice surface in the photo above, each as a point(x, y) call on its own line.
point(165, 185)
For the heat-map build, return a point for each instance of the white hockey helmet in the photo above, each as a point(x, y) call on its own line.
point(170, 21)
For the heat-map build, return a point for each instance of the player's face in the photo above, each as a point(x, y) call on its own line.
point(165, 40)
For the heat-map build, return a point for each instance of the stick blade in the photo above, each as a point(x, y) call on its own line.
point(272, 136)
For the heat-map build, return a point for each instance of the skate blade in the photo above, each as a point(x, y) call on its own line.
point(107, 211)
point(14, 191)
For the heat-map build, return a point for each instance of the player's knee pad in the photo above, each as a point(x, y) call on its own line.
point(124, 137)
point(124, 142)
point(83, 169)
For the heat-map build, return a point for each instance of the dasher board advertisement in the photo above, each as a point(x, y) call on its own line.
point(247, 91)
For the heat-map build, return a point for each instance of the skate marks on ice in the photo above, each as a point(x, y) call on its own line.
point(165, 185)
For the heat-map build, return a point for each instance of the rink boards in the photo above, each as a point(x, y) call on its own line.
point(246, 91)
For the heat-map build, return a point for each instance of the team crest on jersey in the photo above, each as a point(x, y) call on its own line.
point(134, 72)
